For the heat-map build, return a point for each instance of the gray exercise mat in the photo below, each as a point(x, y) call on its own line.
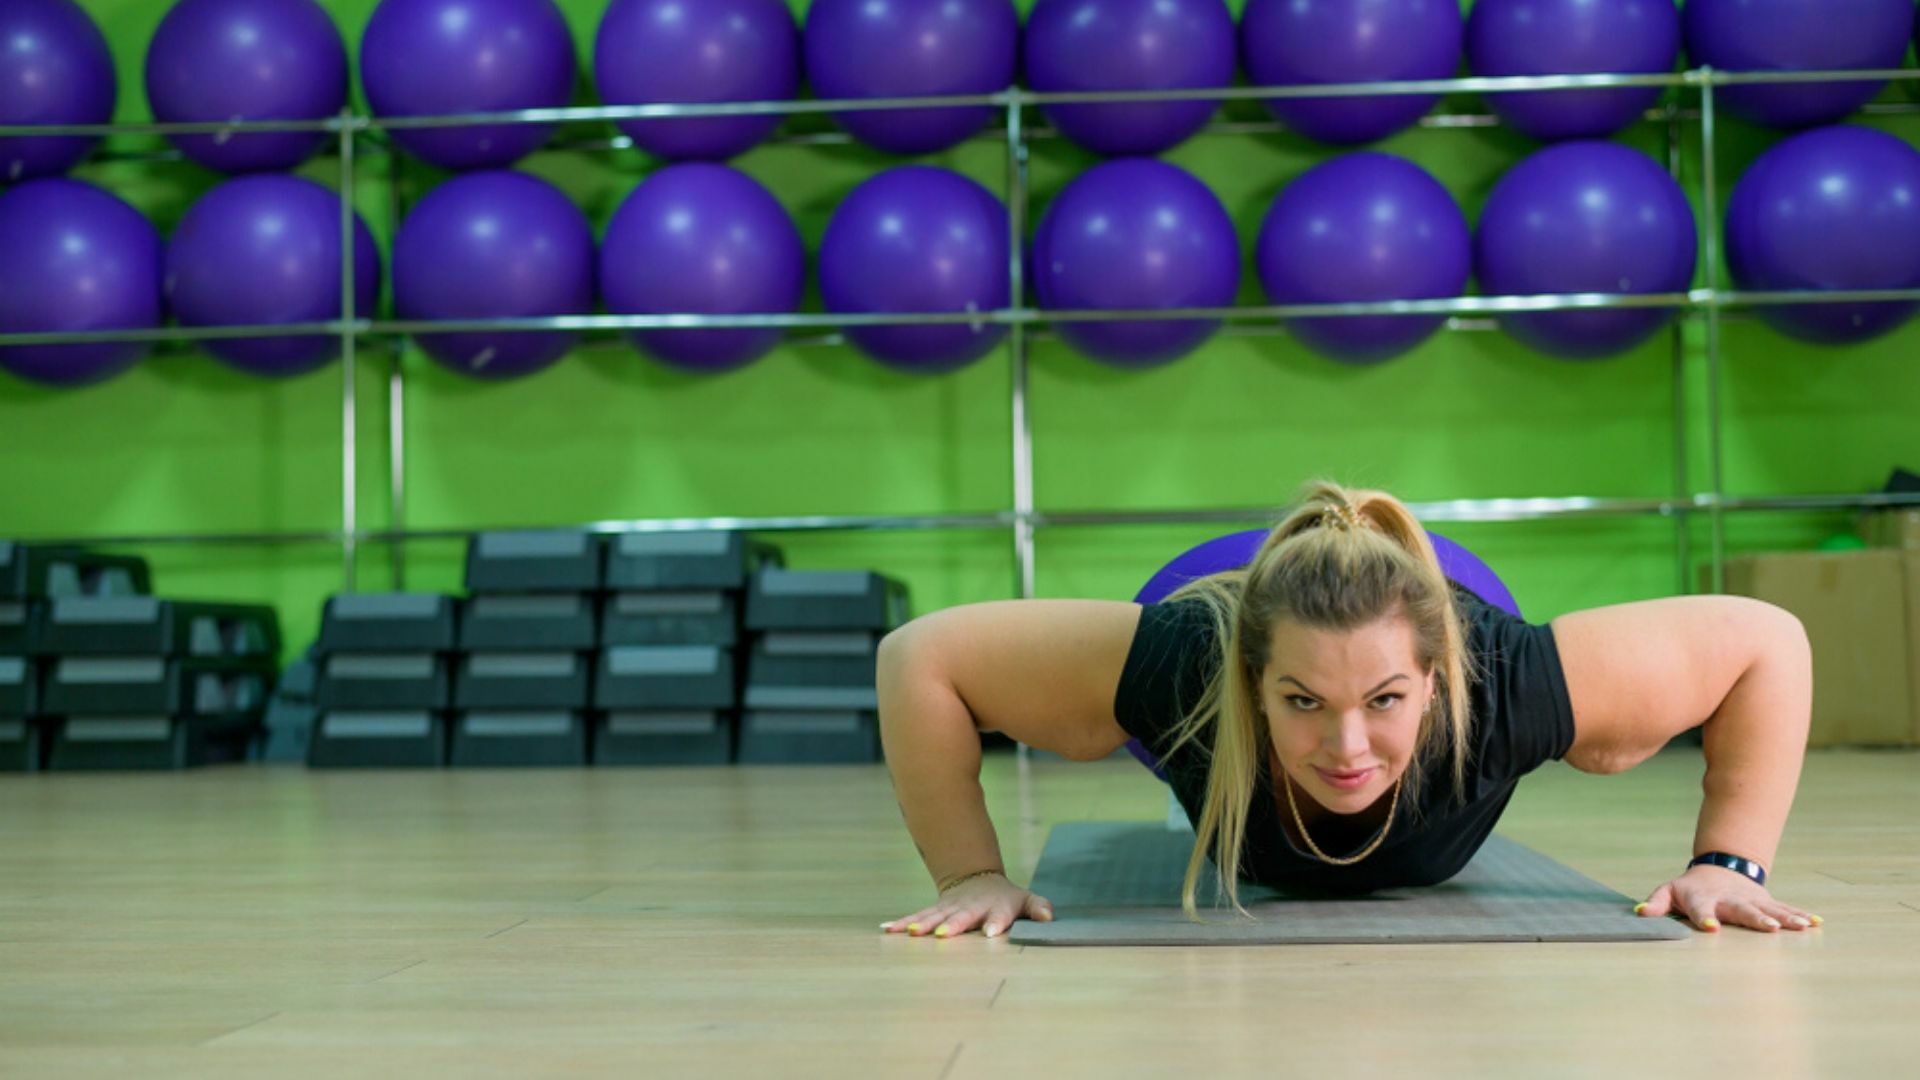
point(1118, 883)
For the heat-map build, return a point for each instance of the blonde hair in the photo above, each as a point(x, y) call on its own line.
point(1339, 560)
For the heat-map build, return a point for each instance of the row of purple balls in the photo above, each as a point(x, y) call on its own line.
point(217, 60)
point(1834, 208)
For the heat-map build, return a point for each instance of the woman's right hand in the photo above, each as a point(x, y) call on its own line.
point(990, 902)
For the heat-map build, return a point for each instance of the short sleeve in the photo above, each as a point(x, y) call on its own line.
point(1523, 714)
point(1166, 672)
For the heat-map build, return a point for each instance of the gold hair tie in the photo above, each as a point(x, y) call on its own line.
point(1337, 514)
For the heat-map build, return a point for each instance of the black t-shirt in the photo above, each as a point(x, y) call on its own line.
point(1522, 716)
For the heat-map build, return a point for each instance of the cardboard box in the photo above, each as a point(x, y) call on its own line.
point(1862, 614)
point(1891, 529)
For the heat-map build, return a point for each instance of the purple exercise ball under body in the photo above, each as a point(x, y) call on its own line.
point(1797, 35)
point(216, 60)
point(686, 51)
point(77, 258)
point(1573, 37)
point(1586, 217)
point(1342, 41)
point(496, 244)
point(266, 249)
point(1235, 550)
point(436, 57)
point(1136, 233)
point(702, 238)
point(912, 48)
point(54, 69)
point(1361, 227)
point(1089, 45)
point(921, 239)
point(1833, 208)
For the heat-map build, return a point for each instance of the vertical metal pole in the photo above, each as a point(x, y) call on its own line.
point(349, 506)
point(1710, 193)
point(1682, 488)
point(1022, 425)
point(396, 410)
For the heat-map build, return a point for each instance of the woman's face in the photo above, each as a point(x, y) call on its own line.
point(1344, 703)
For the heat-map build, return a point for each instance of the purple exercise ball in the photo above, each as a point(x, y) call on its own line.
point(1136, 233)
point(436, 57)
point(1573, 37)
point(912, 48)
point(1797, 35)
point(55, 68)
point(701, 238)
point(921, 239)
point(1088, 45)
point(1586, 217)
point(1833, 208)
point(1339, 41)
point(247, 60)
point(496, 244)
point(77, 258)
point(1235, 550)
point(266, 249)
point(1364, 226)
point(685, 51)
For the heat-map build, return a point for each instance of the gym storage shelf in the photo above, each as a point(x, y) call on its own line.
point(1709, 305)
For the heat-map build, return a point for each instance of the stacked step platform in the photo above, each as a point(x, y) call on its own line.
point(810, 673)
point(97, 673)
point(631, 649)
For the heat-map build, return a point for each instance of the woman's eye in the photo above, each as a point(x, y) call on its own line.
point(1301, 703)
point(1390, 699)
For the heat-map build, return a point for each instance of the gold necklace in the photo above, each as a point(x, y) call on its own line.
point(1378, 839)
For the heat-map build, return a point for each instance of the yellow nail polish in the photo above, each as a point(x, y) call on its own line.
point(913, 928)
point(1639, 909)
point(1712, 924)
point(1817, 920)
point(942, 932)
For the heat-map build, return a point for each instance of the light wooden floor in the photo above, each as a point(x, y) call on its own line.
point(250, 921)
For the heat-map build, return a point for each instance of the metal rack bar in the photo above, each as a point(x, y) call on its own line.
point(1459, 510)
point(1677, 336)
point(349, 439)
point(1710, 230)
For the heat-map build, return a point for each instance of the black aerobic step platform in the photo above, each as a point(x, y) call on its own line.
point(665, 677)
point(151, 686)
point(665, 737)
point(379, 739)
point(560, 622)
point(150, 626)
point(33, 570)
point(383, 682)
point(779, 737)
point(526, 738)
point(520, 681)
point(534, 561)
point(825, 600)
point(706, 617)
point(686, 560)
point(148, 742)
point(788, 669)
point(387, 623)
point(20, 743)
point(19, 687)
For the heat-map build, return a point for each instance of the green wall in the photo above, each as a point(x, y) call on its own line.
point(181, 444)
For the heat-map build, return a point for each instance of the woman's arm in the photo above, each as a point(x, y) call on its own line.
point(1042, 671)
point(1639, 674)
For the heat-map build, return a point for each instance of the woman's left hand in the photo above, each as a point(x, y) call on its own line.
point(1709, 894)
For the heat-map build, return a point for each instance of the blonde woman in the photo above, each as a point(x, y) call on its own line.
point(1397, 710)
